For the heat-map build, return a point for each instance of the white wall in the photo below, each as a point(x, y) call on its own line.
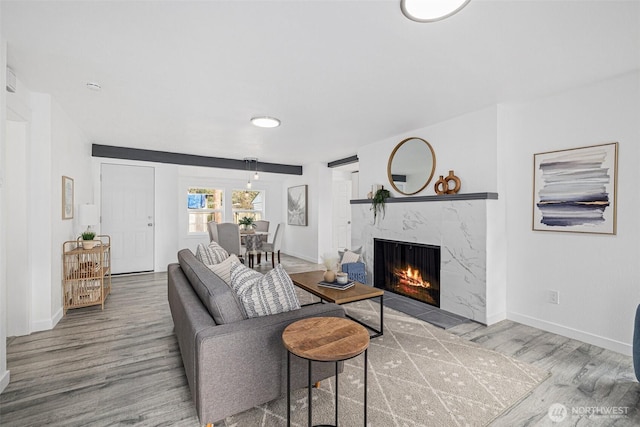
point(68, 155)
point(466, 144)
point(18, 274)
point(310, 242)
point(597, 275)
point(4, 373)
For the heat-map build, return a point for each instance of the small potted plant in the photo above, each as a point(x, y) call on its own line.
point(247, 223)
point(378, 203)
point(87, 240)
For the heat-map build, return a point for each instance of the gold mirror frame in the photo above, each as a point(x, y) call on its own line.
point(413, 155)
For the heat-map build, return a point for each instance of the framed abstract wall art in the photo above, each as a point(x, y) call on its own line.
point(575, 190)
point(297, 205)
point(67, 197)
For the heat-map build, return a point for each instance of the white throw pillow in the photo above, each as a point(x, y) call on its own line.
point(262, 295)
point(211, 254)
point(349, 257)
point(223, 269)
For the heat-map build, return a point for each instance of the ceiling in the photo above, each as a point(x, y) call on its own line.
point(186, 76)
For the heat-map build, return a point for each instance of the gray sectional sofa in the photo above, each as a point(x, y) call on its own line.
point(232, 363)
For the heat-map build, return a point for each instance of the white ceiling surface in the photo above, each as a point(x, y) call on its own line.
point(186, 76)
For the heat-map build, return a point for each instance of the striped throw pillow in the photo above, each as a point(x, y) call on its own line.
point(211, 254)
point(262, 295)
point(223, 269)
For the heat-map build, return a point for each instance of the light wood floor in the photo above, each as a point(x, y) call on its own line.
point(122, 366)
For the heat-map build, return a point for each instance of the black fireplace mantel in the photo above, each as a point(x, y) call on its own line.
point(437, 198)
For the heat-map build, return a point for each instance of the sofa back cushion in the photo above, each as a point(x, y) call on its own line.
point(215, 294)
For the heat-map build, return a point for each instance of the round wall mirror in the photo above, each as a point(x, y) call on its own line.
point(411, 166)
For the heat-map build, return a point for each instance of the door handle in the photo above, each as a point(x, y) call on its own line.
point(150, 224)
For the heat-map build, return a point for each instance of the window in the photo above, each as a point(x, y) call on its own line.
point(204, 205)
point(247, 203)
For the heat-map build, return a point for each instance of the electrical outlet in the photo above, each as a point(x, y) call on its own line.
point(554, 297)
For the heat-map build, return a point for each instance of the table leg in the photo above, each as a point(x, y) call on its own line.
point(309, 402)
point(288, 389)
point(365, 387)
point(337, 395)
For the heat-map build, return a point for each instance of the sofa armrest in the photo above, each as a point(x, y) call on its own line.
point(243, 364)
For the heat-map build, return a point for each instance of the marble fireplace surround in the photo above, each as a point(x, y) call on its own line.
point(460, 225)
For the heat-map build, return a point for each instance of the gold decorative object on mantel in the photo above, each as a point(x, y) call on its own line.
point(442, 185)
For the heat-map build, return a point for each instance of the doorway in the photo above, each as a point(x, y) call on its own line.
point(127, 214)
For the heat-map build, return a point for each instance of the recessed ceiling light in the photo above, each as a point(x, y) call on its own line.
point(94, 86)
point(431, 11)
point(265, 122)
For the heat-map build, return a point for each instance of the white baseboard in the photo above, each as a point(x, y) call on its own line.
point(495, 318)
point(48, 324)
point(4, 381)
point(312, 260)
point(604, 342)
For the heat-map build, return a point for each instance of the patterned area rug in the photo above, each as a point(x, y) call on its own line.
point(419, 375)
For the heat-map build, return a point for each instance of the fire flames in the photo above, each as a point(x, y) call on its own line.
point(411, 277)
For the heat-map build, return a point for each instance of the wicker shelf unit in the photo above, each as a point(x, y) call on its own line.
point(86, 273)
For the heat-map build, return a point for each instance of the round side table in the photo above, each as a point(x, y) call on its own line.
point(325, 339)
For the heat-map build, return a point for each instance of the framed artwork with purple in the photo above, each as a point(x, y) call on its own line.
point(574, 190)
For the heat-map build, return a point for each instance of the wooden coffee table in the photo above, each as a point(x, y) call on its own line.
point(324, 339)
point(358, 292)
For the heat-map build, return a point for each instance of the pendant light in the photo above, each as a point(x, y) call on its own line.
point(256, 176)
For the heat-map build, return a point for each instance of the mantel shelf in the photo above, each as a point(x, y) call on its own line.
point(436, 198)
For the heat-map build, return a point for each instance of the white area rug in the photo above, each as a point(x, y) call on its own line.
point(419, 375)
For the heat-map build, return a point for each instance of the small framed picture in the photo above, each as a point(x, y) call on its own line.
point(297, 205)
point(67, 197)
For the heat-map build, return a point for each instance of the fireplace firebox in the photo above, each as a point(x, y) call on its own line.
point(409, 269)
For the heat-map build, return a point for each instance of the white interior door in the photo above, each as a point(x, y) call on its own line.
point(341, 214)
point(128, 216)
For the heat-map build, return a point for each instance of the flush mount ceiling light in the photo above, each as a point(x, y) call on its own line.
point(265, 122)
point(94, 86)
point(431, 10)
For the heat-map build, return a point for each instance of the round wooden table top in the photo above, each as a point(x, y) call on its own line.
point(325, 339)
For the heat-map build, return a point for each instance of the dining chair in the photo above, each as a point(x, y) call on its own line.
point(229, 238)
point(274, 247)
point(212, 228)
point(262, 225)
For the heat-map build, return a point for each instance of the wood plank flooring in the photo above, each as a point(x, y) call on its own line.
point(122, 366)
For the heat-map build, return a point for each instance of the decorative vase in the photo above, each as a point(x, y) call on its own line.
point(329, 276)
point(442, 185)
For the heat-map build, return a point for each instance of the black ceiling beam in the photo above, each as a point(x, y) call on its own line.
point(112, 152)
point(342, 162)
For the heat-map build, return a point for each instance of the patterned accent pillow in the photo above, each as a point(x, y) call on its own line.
point(223, 269)
point(263, 295)
point(212, 254)
point(349, 257)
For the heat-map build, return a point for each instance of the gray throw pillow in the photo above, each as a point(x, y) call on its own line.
point(214, 293)
point(262, 295)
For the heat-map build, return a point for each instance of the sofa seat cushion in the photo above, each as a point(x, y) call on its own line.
point(211, 254)
point(262, 295)
point(219, 299)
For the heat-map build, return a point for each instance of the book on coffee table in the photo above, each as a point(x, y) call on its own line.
point(336, 285)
